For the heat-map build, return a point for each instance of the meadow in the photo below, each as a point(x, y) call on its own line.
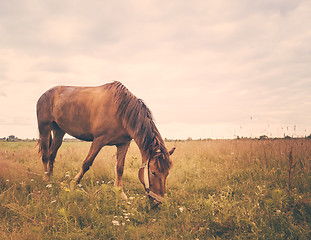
point(217, 189)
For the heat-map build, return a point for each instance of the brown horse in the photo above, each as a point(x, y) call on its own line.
point(106, 115)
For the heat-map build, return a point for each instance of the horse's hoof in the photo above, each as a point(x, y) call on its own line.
point(46, 176)
point(120, 193)
point(123, 196)
point(73, 184)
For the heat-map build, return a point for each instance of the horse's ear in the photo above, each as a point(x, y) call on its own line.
point(172, 150)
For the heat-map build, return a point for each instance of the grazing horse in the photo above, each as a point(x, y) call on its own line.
point(106, 115)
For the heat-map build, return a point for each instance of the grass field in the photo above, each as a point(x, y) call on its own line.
point(219, 189)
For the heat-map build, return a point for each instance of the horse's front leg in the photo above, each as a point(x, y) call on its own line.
point(121, 152)
point(97, 144)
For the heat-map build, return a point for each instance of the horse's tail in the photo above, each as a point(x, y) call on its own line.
point(45, 121)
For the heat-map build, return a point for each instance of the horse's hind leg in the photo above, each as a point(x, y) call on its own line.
point(121, 152)
point(57, 140)
point(44, 144)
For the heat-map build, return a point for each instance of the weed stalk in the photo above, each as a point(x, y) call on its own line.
point(291, 166)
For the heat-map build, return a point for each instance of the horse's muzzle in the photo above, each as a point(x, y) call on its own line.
point(155, 199)
point(154, 203)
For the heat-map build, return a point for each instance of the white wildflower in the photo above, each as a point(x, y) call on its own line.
point(116, 223)
point(49, 185)
point(53, 201)
point(181, 209)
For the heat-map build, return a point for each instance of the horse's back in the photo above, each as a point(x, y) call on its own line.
point(60, 97)
point(83, 112)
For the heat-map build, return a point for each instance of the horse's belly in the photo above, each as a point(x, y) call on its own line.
point(84, 137)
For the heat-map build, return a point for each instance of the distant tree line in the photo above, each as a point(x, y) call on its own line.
point(262, 137)
point(13, 138)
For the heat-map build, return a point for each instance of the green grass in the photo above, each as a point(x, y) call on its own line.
point(221, 189)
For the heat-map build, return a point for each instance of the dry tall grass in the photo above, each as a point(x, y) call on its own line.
point(232, 189)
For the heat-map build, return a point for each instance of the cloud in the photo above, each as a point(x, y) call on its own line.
point(51, 65)
point(194, 63)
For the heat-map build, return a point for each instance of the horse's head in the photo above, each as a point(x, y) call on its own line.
point(153, 173)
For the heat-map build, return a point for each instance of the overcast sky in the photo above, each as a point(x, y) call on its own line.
point(206, 69)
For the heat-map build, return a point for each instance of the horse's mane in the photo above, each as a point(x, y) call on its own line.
point(138, 120)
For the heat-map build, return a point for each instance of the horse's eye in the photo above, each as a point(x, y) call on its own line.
point(153, 173)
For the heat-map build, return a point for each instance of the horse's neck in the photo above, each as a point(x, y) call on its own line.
point(149, 152)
